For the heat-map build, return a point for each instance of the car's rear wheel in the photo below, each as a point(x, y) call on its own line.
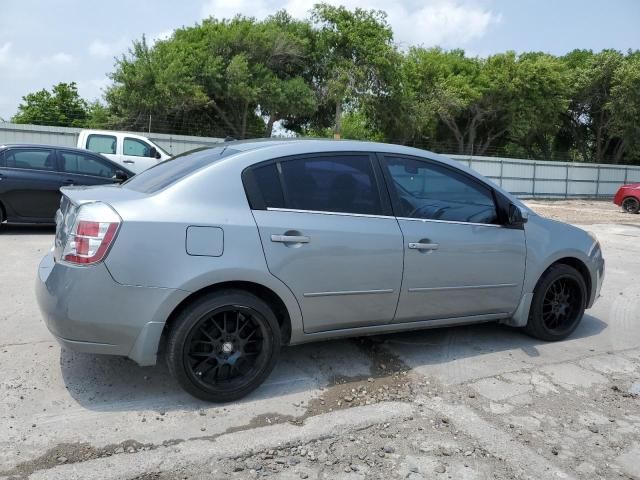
point(224, 345)
point(558, 305)
point(631, 205)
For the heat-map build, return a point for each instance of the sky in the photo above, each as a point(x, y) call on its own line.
point(43, 42)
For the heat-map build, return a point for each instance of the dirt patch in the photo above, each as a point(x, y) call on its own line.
point(389, 379)
point(73, 453)
point(585, 212)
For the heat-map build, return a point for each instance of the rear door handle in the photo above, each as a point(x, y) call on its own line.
point(423, 246)
point(290, 238)
point(128, 161)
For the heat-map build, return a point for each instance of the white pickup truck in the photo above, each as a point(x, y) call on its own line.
point(134, 152)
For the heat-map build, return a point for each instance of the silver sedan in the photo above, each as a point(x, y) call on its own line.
point(222, 255)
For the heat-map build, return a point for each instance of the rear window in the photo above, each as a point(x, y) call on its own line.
point(102, 144)
point(170, 171)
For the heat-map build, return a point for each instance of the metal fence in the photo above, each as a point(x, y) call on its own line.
point(525, 178)
point(19, 133)
point(544, 179)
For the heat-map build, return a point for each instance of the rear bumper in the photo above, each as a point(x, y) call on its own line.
point(87, 311)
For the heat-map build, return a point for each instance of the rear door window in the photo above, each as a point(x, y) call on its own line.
point(265, 186)
point(341, 183)
point(31, 159)
point(79, 163)
point(102, 144)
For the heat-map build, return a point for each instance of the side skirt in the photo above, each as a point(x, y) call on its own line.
point(398, 327)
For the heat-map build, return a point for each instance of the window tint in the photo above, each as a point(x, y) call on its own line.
point(331, 184)
point(268, 183)
point(2, 164)
point(86, 165)
point(136, 148)
point(102, 144)
point(31, 159)
point(426, 190)
point(170, 171)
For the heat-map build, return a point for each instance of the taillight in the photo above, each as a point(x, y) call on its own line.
point(92, 234)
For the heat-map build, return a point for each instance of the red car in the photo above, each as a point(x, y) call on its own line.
point(628, 197)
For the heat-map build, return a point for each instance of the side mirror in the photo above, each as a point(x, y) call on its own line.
point(120, 176)
point(154, 153)
point(516, 216)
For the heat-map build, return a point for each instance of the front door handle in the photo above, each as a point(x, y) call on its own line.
point(290, 238)
point(128, 161)
point(423, 246)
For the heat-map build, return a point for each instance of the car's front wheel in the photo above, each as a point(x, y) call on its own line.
point(631, 205)
point(558, 304)
point(224, 345)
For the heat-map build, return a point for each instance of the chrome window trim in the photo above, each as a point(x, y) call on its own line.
point(322, 212)
point(33, 170)
point(451, 221)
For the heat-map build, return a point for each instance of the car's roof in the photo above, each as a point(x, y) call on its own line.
point(43, 145)
point(319, 144)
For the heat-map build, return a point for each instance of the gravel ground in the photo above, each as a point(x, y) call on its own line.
point(577, 419)
point(479, 402)
point(583, 212)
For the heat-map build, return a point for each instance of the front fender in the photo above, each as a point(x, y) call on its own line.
point(548, 242)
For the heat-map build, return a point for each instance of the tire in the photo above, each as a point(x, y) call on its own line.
point(558, 304)
point(631, 205)
point(224, 345)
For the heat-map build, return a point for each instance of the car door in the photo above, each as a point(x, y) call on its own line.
point(459, 261)
point(30, 186)
point(87, 169)
point(329, 235)
point(137, 155)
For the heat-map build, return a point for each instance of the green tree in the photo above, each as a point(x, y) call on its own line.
point(588, 118)
point(624, 108)
point(355, 57)
point(218, 78)
point(62, 106)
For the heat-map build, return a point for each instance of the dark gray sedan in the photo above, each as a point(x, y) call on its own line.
point(31, 177)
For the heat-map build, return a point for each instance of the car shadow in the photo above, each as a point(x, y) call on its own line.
point(27, 229)
point(105, 383)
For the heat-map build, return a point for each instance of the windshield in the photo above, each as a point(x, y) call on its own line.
point(170, 171)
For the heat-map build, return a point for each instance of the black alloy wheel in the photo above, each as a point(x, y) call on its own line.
point(224, 345)
point(558, 304)
point(561, 304)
